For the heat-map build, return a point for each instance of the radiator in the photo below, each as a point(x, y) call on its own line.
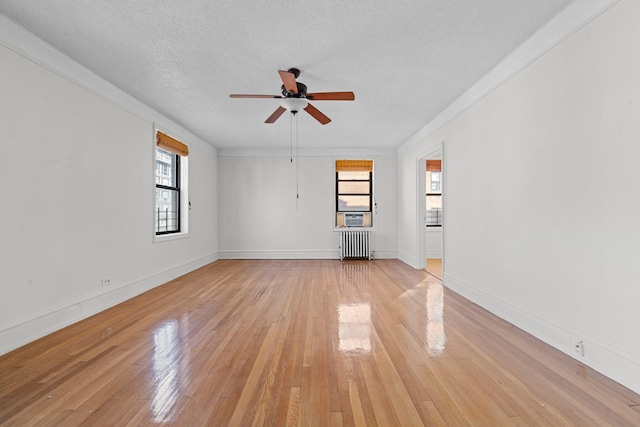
point(355, 244)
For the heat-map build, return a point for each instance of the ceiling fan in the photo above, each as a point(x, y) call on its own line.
point(295, 97)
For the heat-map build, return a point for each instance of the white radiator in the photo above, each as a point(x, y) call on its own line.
point(355, 244)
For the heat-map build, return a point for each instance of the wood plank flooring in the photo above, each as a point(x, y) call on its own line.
point(434, 266)
point(303, 343)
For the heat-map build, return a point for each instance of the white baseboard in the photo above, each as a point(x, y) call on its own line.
point(605, 358)
point(302, 254)
point(434, 253)
point(39, 325)
point(408, 259)
point(335, 254)
point(385, 254)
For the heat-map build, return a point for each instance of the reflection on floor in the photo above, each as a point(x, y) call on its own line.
point(434, 267)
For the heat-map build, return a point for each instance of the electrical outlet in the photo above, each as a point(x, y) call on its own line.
point(579, 348)
point(106, 281)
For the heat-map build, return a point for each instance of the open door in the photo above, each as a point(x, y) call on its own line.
point(433, 217)
point(430, 210)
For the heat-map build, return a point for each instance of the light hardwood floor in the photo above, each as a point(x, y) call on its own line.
point(319, 342)
point(434, 266)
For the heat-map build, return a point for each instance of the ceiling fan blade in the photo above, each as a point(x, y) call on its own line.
point(331, 96)
point(276, 114)
point(317, 114)
point(289, 81)
point(239, 95)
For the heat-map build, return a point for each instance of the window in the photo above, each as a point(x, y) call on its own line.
point(354, 193)
point(434, 193)
point(435, 181)
point(170, 184)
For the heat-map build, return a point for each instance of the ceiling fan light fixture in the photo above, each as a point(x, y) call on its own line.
point(294, 104)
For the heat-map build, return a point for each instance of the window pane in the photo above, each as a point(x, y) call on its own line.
point(351, 187)
point(353, 175)
point(353, 203)
point(166, 167)
point(434, 181)
point(166, 217)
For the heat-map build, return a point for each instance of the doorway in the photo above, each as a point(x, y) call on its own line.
point(430, 206)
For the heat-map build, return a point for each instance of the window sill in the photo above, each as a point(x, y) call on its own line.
point(167, 237)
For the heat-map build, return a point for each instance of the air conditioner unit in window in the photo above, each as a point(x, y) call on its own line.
point(354, 219)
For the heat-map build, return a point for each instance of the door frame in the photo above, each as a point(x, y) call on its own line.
point(435, 152)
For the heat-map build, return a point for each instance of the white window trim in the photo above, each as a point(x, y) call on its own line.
point(374, 208)
point(184, 195)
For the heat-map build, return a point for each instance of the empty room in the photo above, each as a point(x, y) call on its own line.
point(320, 213)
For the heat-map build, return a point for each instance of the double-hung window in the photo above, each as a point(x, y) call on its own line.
point(354, 193)
point(170, 154)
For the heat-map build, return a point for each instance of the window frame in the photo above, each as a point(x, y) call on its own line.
point(182, 171)
point(176, 190)
point(433, 193)
point(370, 194)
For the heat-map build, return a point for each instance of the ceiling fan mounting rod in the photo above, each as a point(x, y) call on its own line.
point(294, 71)
point(302, 91)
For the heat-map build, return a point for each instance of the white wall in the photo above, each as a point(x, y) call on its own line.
point(260, 217)
point(78, 199)
point(542, 195)
point(433, 242)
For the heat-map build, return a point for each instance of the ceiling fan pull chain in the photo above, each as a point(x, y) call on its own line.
point(297, 161)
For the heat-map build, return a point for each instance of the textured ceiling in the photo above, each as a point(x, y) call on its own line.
point(405, 60)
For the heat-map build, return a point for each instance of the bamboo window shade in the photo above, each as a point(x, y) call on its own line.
point(168, 143)
point(434, 165)
point(354, 165)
